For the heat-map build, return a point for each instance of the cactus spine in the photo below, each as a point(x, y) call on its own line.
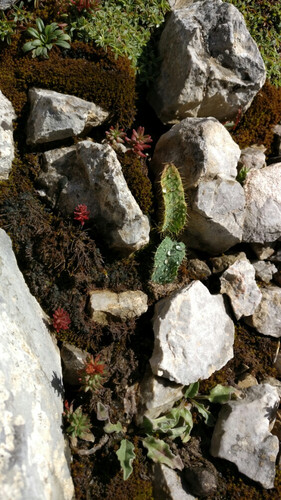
point(170, 254)
point(175, 208)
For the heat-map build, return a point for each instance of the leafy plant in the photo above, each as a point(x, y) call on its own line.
point(160, 452)
point(170, 254)
point(79, 424)
point(139, 141)
point(7, 28)
point(126, 456)
point(44, 39)
point(83, 4)
point(93, 374)
point(242, 174)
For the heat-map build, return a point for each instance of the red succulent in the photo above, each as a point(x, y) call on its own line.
point(83, 4)
point(138, 141)
point(61, 319)
point(93, 373)
point(81, 213)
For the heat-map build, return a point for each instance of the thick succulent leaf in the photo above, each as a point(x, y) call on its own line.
point(167, 260)
point(109, 427)
point(40, 24)
point(33, 32)
point(206, 414)
point(102, 412)
point(160, 452)
point(220, 394)
point(126, 456)
point(174, 216)
point(28, 46)
point(192, 390)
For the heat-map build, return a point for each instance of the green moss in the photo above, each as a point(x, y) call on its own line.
point(135, 173)
point(256, 126)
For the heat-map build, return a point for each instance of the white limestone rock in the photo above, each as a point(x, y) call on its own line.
point(263, 205)
point(210, 66)
point(238, 282)
point(55, 116)
point(252, 158)
point(264, 270)
point(90, 173)
point(201, 148)
point(267, 317)
point(242, 436)
point(193, 335)
point(157, 395)
point(7, 150)
point(167, 484)
point(6, 4)
point(33, 463)
point(105, 305)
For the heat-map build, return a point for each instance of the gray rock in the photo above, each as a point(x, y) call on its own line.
point(106, 305)
point(201, 481)
point(91, 174)
point(33, 463)
point(198, 269)
point(54, 116)
point(6, 4)
point(241, 434)
point(6, 136)
point(167, 484)
point(180, 4)
point(263, 252)
point(210, 64)
point(264, 270)
point(252, 158)
point(72, 362)
point(216, 216)
point(221, 263)
point(267, 317)
point(201, 148)
point(238, 282)
point(263, 205)
point(193, 335)
point(157, 395)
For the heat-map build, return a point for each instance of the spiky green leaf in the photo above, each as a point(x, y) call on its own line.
point(206, 414)
point(109, 428)
point(175, 208)
point(160, 452)
point(220, 394)
point(192, 390)
point(126, 456)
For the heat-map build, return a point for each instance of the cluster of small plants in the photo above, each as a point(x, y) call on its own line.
point(137, 143)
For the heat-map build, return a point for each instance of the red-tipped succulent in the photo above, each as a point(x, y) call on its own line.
point(81, 213)
point(139, 141)
point(61, 319)
point(93, 373)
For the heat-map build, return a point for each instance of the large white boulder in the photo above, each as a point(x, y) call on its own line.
point(210, 66)
point(33, 463)
point(193, 335)
point(242, 436)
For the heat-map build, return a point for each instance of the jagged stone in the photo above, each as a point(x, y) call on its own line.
point(193, 335)
point(90, 173)
point(210, 66)
point(263, 205)
point(252, 158)
point(264, 270)
point(242, 436)
point(238, 282)
point(105, 305)
point(73, 360)
point(267, 316)
point(221, 263)
point(54, 116)
point(33, 463)
point(167, 484)
point(6, 136)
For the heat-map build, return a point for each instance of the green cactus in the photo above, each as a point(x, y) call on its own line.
point(175, 208)
point(167, 259)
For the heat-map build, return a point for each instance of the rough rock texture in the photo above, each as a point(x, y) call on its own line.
point(72, 362)
point(33, 463)
point(206, 156)
point(90, 173)
point(198, 269)
point(167, 484)
point(5, 4)
point(6, 136)
point(210, 64)
point(54, 116)
point(263, 205)
point(201, 481)
point(193, 335)
point(201, 148)
point(263, 252)
point(221, 263)
point(216, 216)
point(238, 282)
point(252, 157)
point(105, 305)
point(264, 270)
point(241, 434)
point(267, 317)
point(156, 395)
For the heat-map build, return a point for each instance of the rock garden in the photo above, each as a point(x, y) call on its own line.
point(140, 255)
